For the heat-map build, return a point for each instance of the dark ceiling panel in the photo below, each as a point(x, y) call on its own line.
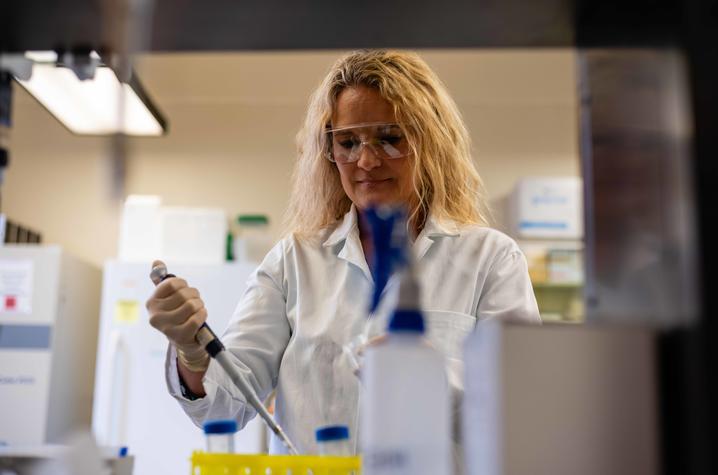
point(182, 25)
point(318, 24)
point(42, 25)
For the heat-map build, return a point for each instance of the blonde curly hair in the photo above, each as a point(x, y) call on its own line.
point(445, 179)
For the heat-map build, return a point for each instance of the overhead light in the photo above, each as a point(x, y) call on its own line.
point(98, 105)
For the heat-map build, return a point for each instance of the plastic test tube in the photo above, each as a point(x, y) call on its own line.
point(333, 440)
point(220, 436)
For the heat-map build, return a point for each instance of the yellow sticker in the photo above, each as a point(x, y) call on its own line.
point(127, 311)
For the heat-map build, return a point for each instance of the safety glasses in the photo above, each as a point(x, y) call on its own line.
point(386, 141)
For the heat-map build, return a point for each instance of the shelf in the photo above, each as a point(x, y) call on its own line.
point(555, 318)
point(558, 286)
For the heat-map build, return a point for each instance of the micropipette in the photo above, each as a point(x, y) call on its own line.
point(214, 347)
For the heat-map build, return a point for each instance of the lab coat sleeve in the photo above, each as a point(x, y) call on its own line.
point(256, 339)
point(507, 293)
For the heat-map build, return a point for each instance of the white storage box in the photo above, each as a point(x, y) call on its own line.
point(140, 229)
point(193, 235)
point(176, 234)
point(547, 208)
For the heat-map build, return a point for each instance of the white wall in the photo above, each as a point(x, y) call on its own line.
point(233, 118)
point(521, 108)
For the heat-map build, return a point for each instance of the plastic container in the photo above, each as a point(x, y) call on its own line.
point(406, 413)
point(333, 440)
point(405, 407)
point(252, 241)
point(226, 464)
point(220, 436)
point(483, 408)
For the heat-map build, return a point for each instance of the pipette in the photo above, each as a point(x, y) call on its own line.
point(214, 347)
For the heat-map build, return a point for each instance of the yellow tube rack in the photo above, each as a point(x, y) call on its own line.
point(204, 463)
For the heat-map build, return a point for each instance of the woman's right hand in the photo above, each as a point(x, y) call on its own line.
point(177, 310)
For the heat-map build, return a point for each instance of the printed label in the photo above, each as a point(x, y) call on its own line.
point(16, 286)
point(386, 461)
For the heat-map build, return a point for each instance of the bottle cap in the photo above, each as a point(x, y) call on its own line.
point(329, 433)
point(222, 426)
point(409, 321)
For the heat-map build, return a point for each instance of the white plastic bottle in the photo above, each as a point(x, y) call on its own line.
point(405, 408)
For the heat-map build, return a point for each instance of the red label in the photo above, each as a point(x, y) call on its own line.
point(10, 302)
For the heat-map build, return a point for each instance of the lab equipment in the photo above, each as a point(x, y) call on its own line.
point(405, 416)
point(48, 337)
point(78, 455)
point(333, 440)
point(132, 356)
point(386, 258)
point(596, 406)
point(220, 464)
point(220, 435)
point(214, 347)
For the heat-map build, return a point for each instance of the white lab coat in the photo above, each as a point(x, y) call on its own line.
point(307, 304)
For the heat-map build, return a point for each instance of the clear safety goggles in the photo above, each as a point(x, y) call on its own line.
point(385, 141)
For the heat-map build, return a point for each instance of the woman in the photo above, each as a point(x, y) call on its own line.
point(380, 129)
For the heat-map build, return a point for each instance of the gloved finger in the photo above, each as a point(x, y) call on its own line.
point(177, 299)
point(165, 290)
point(185, 334)
point(180, 315)
point(165, 320)
point(169, 286)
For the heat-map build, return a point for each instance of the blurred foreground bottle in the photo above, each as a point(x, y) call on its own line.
point(405, 407)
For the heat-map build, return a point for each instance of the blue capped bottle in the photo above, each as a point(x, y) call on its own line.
point(405, 418)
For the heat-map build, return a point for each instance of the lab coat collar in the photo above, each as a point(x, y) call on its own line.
point(348, 231)
point(433, 229)
point(340, 233)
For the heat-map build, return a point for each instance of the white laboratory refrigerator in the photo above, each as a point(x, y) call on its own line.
point(131, 404)
point(48, 327)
